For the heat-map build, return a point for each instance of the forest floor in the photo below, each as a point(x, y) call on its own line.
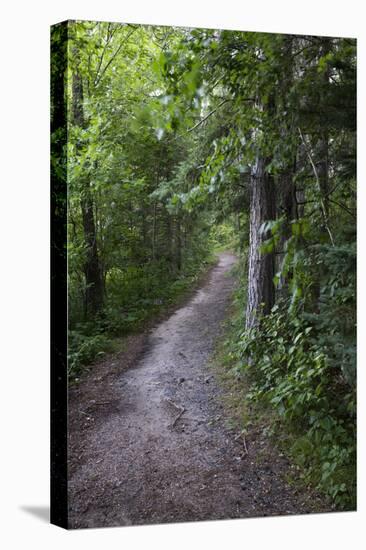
point(150, 437)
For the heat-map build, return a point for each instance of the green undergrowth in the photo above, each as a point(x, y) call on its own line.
point(283, 379)
point(223, 237)
point(135, 296)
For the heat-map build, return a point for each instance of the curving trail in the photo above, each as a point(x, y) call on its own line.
point(160, 450)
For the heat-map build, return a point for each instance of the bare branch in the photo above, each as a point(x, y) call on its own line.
point(323, 209)
point(114, 56)
point(207, 116)
point(109, 36)
point(344, 207)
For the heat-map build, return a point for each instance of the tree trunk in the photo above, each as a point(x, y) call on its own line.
point(93, 275)
point(153, 243)
point(288, 210)
point(94, 295)
point(178, 243)
point(169, 254)
point(261, 290)
point(144, 231)
point(322, 164)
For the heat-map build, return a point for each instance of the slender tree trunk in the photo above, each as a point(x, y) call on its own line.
point(154, 234)
point(261, 292)
point(144, 231)
point(322, 169)
point(94, 296)
point(323, 142)
point(178, 244)
point(169, 253)
point(286, 192)
point(93, 276)
point(287, 209)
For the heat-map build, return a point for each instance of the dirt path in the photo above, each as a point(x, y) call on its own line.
point(154, 446)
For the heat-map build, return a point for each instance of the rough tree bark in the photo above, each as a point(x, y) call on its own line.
point(261, 292)
point(94, 296)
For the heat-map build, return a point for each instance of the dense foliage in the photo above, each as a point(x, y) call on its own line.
point(301, 364)
point(298, 345)
point(131, 247)
point(174, 132)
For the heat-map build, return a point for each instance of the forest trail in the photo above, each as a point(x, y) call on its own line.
point(156, 446)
